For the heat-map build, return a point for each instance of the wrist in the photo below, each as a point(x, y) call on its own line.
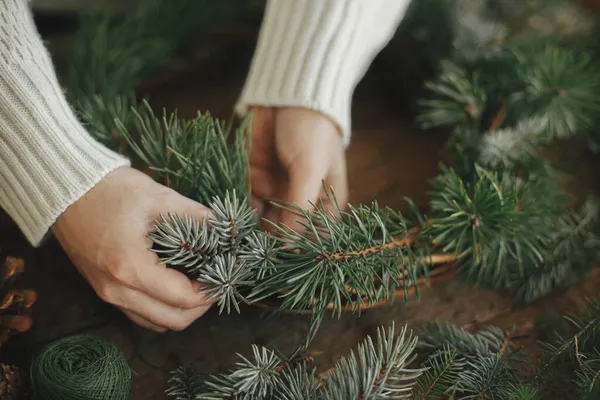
point(98, 190)
point(313, 54)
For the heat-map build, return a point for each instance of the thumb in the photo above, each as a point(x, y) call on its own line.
point(305, 183)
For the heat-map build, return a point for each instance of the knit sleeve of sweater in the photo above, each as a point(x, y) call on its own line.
point(312, 54)
point(47, 158)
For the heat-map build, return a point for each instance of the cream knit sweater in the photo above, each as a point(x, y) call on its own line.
point(310, 53)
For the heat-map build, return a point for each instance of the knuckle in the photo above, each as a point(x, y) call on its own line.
point(186, 303)
point(184, 320)
point(105, 293)
point(123, 273)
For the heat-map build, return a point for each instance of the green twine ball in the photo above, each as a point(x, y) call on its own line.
point(80, 367)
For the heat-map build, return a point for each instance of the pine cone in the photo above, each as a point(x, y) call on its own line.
point(12, 383)
point(15, 304)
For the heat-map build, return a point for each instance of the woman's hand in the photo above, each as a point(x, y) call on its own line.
point(105, 235)
point(293, 151)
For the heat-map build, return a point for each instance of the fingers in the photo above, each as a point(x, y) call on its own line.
point(161, 314)
point(337, 181)
point(262, 142)
point(147, 311)
point(139, 269)
point(144, 323)
point(305, 184)
point(257, 204)
point(263, 183)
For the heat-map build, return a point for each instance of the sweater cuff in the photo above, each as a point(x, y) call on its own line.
point(47, 158)
point(313, 54)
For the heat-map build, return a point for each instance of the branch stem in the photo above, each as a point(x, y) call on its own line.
point(498, 119)
point(396, 242)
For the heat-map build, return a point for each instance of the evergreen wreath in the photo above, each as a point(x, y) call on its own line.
point(497, 214)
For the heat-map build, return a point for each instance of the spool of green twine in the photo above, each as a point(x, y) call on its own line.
point(80, 367)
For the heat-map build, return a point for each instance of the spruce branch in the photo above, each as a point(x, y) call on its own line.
point(338, 257)
point(260, 253)
point(232, 220)
point(435, 336)
point(185, 383)
point(441, 376)
point(583, 330)
point(452, 364)
point(184, 241)
point(202, 158)
point(495, 224)
point(256, 378)
point(573, 246)
point(476, 32)
point(513, 146)
point(587, 377)
point(459, 98)
point(377, 370)
point(487, 378)
point(523, 392)
point(300, 383)
point(216, 252)
point(558, 85)
point(112, 53)
point(226, 279)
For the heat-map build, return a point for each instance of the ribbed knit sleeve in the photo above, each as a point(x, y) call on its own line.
point(312, 54)
point(47, 158)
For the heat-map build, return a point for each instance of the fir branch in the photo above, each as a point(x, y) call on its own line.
point(225, 281)
point(523, 392)
point(260, 253)
point(185, 384)
point(458, 98)
point(441, 375)
point(494, 225)
point(218, 252)
point(98, 113)
point(202, 158)
point(112, 53)
point(184, 241)
point(488, 377)
point(583, 330)
point(435, 336)
point(377, 370)
point(512, 146)
point(572, 248)
point(558, 85)
point(587, 377)
point(339, 257)
point(252, 379)
point(476, 33)
point(232, 220)
point(299, 383)
point(487, 359)
point(541, 282)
